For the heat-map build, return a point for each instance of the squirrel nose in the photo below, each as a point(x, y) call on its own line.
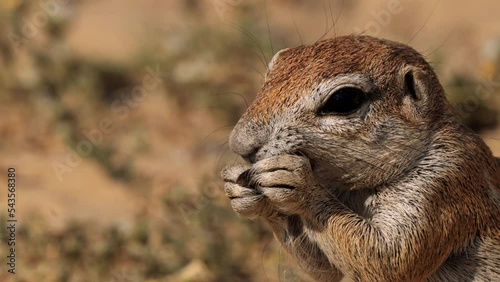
point(245, 143)
point(251, 158)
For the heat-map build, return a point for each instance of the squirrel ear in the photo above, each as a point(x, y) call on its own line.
point(416, 88)
point(415, 83)
point(274, 59)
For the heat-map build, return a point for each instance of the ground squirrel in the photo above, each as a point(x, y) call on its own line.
point(360, 166)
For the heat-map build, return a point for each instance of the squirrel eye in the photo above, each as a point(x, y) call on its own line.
point(343, 101)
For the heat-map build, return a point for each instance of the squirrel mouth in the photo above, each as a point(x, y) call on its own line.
point(244, 178)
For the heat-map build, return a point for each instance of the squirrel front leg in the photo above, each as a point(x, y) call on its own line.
point(399, 244)
point(288, 229)
point(407, 238)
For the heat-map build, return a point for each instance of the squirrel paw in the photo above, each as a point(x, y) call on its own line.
point(285, 180)
point(245, 200)
point(278, 185)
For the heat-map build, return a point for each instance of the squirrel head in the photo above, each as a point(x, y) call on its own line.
point(363, 110)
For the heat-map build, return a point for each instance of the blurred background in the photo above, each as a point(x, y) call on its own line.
point(116, 114)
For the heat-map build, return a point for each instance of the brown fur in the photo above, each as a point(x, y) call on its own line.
point(397, 191)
